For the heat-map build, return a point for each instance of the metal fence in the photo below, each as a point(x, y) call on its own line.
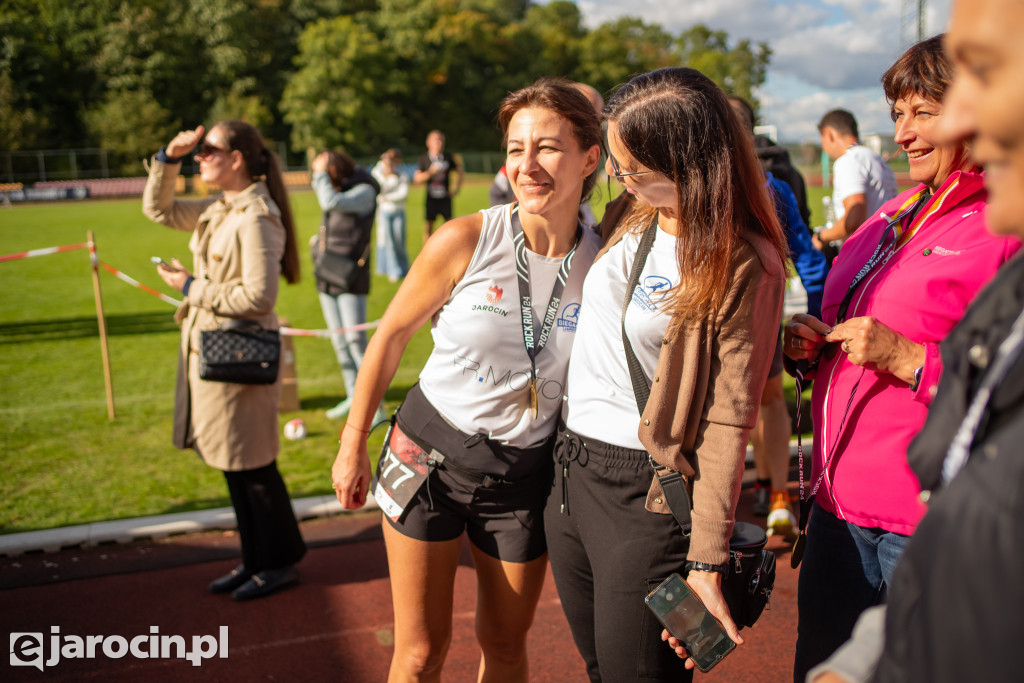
point(44, 165)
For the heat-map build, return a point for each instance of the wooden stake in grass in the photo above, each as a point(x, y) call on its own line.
point(101, 319)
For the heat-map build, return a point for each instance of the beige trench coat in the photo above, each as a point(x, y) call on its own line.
point(236, 247)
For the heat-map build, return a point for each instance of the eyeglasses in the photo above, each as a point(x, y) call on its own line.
point(207, 150)
point(619, 175)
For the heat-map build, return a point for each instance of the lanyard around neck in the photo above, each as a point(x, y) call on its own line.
point(534, 345)
point(896, 230)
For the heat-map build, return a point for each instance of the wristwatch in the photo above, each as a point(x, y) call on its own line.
point(917, 378)
point(705, 567)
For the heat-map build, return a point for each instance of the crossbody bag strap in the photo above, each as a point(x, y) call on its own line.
point(641, 390)
point(673, 486)
point(366, 253)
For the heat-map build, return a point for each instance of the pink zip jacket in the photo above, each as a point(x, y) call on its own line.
point(921, 292)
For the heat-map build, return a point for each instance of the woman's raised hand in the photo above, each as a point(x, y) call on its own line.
point(184, 142)
point(319, 163)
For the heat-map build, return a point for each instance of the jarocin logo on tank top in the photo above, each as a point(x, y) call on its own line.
point(493, 296)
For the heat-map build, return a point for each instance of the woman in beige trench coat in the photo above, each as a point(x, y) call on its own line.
point(242, 241)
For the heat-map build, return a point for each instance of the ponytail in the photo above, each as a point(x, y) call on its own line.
point(262, 164)
point(275, 183)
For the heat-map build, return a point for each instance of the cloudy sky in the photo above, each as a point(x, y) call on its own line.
point(826, 53)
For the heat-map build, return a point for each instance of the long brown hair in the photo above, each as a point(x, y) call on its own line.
point(563, 98)
point(261, 164)
point(677, 122)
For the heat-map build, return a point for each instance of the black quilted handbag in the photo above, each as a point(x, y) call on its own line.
point(748, 585)
point(240, 352)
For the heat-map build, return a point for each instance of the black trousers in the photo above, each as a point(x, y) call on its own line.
point(607, 553)
point(266, 524)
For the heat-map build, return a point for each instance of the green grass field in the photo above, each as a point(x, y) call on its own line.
point(64, 462)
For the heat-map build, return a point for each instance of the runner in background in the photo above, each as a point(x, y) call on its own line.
point(435, 168)
point(861, 180)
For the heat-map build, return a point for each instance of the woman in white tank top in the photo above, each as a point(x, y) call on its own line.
point(490, 283)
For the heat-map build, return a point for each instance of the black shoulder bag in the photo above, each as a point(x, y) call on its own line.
point(240, 352)
point(749, 576)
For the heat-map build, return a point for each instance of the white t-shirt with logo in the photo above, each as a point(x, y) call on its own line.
point(861, 171)
point(600, 401)
point(478, 374)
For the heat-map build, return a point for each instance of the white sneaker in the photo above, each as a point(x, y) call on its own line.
point(781, 520)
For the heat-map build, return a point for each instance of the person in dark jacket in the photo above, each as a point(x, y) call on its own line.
point(954, 604)
point(348, 198)
point(775, 160)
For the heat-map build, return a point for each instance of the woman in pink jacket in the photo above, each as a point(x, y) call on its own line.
point(899, 285)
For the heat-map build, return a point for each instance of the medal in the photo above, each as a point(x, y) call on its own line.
point(526, 300)
point(533, 398)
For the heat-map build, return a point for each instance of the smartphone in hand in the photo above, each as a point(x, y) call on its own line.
point(684, 615)
point(157, 261)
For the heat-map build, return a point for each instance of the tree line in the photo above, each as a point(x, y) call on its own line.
point(364, 75)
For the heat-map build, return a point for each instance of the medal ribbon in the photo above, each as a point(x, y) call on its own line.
point(535, 345)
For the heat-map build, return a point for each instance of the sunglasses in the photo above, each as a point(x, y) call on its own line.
point(619, 175)
point(206, 150)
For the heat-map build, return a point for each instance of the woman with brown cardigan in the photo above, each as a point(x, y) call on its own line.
point(702, 323)
point(242, 243)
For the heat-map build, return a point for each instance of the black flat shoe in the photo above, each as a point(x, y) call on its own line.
point(229, 582)
point(266, 582)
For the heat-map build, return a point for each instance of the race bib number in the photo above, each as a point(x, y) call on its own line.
point(401, 471)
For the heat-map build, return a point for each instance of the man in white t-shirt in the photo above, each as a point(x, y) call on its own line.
point(861, 180)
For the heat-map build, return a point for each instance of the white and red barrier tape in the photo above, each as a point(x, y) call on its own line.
point(135, 283)
point(293, 332)
point(285, 331)
point(43, 252)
